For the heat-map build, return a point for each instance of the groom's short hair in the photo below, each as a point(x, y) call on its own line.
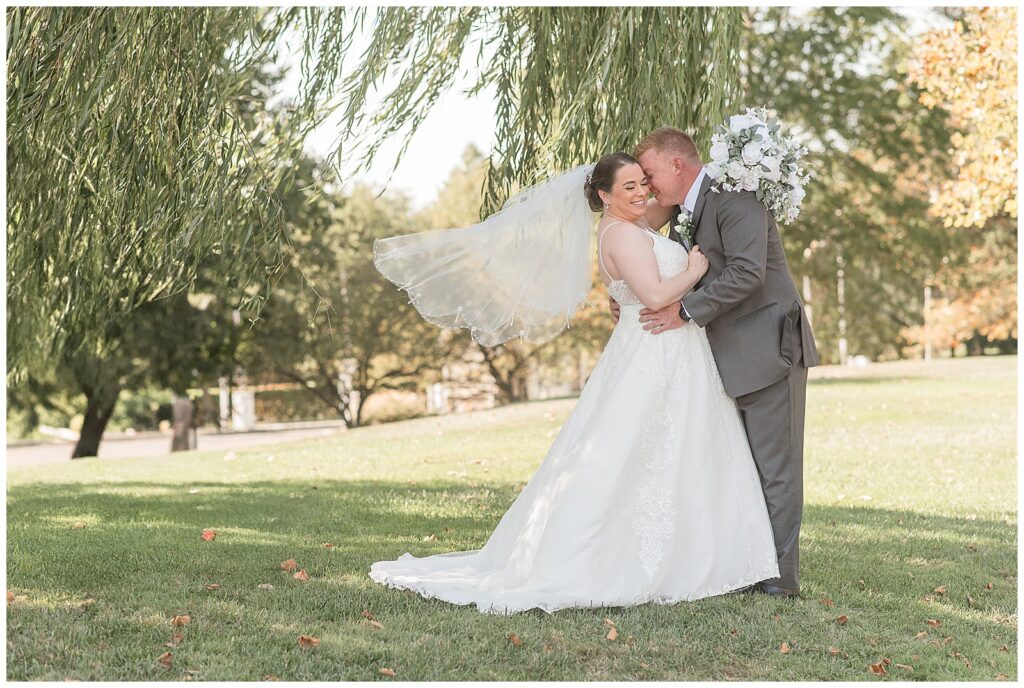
point(669, 140)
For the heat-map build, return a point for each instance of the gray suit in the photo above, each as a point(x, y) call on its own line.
point(763, 345)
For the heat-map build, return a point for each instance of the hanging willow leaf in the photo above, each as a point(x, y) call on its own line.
point(571, 83)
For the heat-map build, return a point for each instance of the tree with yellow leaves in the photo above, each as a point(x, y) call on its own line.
point(971, 71)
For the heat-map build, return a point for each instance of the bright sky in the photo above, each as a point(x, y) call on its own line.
point(456, 122)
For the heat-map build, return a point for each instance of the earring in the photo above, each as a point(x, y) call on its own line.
point(607, 206)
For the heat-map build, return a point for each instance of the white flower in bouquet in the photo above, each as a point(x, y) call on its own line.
point(719, 150)
point(749, 153)
point(735, 169)
point(752, 153)
point(738, 123)
point(773, 166)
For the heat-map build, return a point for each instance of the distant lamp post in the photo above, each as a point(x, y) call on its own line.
point(927, 322)
point(841, 289)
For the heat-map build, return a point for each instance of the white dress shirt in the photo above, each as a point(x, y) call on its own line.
point(691, 197)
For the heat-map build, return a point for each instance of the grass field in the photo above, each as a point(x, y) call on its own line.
point(910, 533)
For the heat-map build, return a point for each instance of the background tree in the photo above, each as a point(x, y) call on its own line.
point(333, 322)
point(837, 76)
point(571, 83)
point(970, 71)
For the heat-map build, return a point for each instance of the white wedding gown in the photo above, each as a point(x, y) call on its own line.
point(649, 492)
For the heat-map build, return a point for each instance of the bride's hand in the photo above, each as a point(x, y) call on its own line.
point(697, 262)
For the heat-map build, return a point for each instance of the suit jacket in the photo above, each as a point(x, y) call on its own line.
point(747, 302)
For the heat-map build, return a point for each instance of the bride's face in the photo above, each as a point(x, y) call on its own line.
point(628, 196)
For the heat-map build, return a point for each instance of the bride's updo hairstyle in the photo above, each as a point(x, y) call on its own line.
point(603, 176)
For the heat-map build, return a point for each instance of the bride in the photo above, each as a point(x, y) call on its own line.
point(649, 492)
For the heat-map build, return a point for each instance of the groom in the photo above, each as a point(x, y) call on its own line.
point(754, 320)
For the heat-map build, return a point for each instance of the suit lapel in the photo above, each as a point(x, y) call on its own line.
point(672, 233)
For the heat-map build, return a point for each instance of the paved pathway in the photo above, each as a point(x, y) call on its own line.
point(156, 444)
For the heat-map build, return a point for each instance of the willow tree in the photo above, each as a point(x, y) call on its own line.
point(135, 149)
point(570, 83)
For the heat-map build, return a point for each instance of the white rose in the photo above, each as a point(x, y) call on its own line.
point(766, 137)
point(720, 151)
point(752, 153)
point(796, 196)
point(735, 169)
point(773, 168)
point(738, 123)
point(750, 181)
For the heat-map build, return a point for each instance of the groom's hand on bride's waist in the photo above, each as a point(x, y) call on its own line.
point(613, 306)
point(662, 320)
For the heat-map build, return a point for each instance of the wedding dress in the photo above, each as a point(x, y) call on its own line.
point(649, 492)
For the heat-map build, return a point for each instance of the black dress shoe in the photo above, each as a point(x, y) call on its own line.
point(778, 590)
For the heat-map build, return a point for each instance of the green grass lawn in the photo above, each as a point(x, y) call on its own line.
point(910, 481)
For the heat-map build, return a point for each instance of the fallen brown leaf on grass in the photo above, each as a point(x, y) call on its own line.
point(289, 565)
point(181, 620)
point(833, 650)
point(920, 635)
point(989, 586)
point(175, 639)
point(166, 659)
point(612, 633)
point(515, 639)
point(842, 619)
point(827, 602)
point(970, 601)
point(328, 545)
point(973, 547)
point(934, 623)
point(367, 614)
point(1004, 648)
point(784, 648)
point(10, 596)
point(905, 666)
point(1000, 677)
point(384, 671)
point(609, 622)
point(376, 624)
point(208, 534)
point(301, 575)
point(308, 642)
point(878, 669)
point(430, 538)
point(860, 583)
point(733, 632)
point(776, 617)
point(956, 655)
point(941, 590)
point(78, 524)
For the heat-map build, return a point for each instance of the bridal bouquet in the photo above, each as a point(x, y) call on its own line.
point(750, 154)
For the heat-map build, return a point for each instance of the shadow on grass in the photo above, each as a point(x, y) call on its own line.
point(141, 555)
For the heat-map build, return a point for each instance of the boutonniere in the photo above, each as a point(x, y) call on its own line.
point(684, 226)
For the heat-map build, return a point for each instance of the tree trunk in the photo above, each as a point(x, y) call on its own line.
point(100, 408)
point(182, 439)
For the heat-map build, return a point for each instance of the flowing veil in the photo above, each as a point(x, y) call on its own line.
point(522, 272)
